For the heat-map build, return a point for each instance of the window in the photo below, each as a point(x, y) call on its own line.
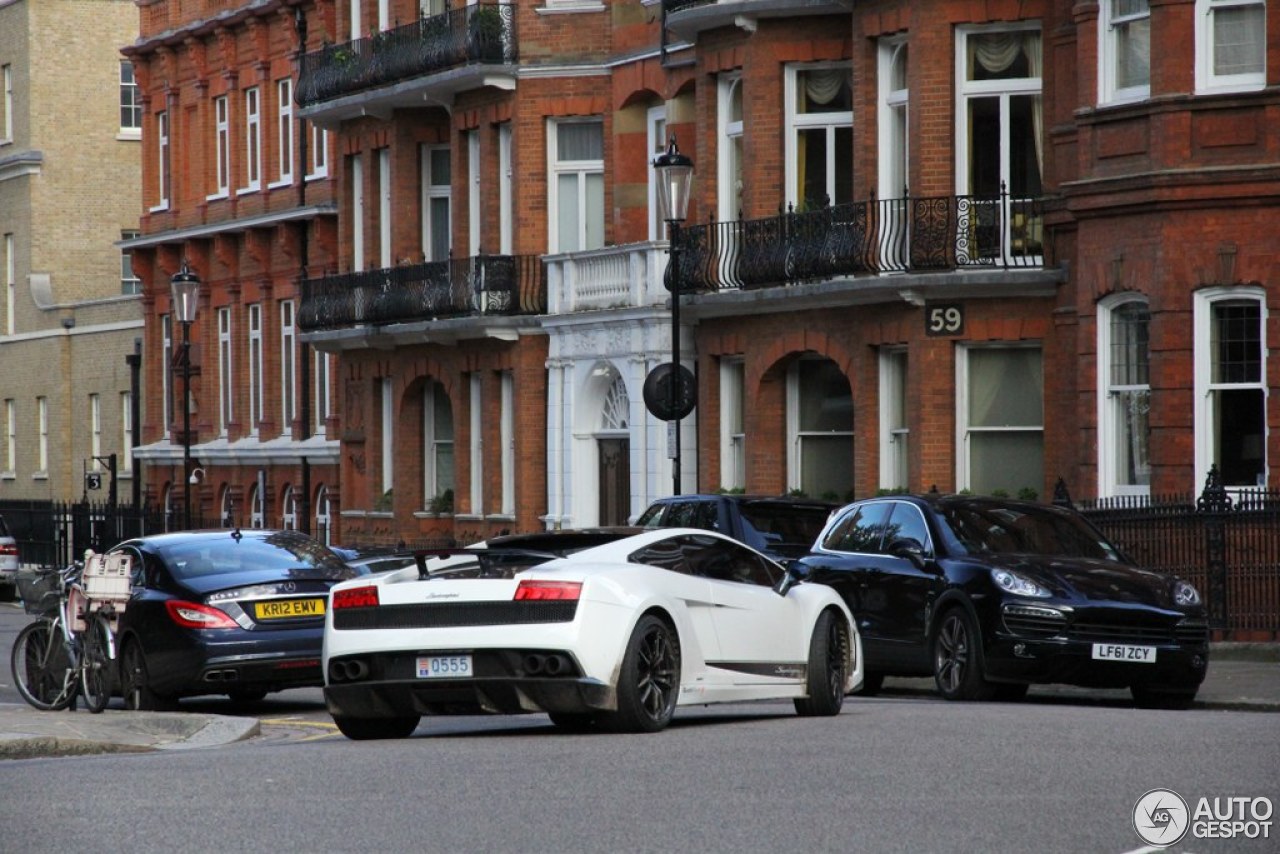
point(357, 212)
point(656, 125)
point(288, 376)
point(859, 529)
point(894, 435)
point(129, 281)
point(322, 363)
point(388, 408)
point(318, 153)
point(166, 375)
point(1124, 54)
point(255, 368)
point(130, 101)
point(894, 98)
point(436, 205)
point(473, 191)
point(10, 285)
point(162, 161)
point(506, 190)
point(507, 437)
point(222, 149)
point(42, 432)
point(6, 104)
point(477, 446)
point(733, 437)
point(907, 523)
point(1231, 385)
point(257, 504)
point(1000, 140)
point(126, 431)
point(819, 430)
point(10, 437)
point(284, 131)
point(576, 194)
point(289, 509)
point(384, 208)
point(1124, 405)
point(324, 516)
point(437, 446)
point(226, 380)
point(1231, 45)
point(1000, 419)
point(252, 139)
point(95, 432)
point(819, 104)
point(731, 158)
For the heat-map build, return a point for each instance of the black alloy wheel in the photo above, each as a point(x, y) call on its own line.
point(135, 683)
point(649, 680)
point(957, 658)
point(368, 729)
point(827, 671)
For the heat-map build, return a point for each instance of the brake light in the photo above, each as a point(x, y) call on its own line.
point(356, 597)
point(192, 615)
point(9, 549)
point(548, 590)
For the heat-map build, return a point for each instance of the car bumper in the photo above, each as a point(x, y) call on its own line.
point(1015, 659)
point(211, 662)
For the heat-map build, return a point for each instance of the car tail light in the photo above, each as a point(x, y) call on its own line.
point(356, 597)
point(548, 590)
point(192, 615)
point(9, 549)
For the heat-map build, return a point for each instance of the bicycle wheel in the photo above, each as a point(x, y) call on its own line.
point(95, 669)
point(41, 668)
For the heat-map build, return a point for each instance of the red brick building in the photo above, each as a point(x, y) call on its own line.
point(974, 246)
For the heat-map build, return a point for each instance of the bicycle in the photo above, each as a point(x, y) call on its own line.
point(70, 650)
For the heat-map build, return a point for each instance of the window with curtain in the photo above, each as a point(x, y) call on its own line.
point(894, 435)
point(437, 421)
point(731, 132)
point(436, 202)
point(577, 185)
point(1231, 352)
point(1124, 464)
point(1124, 27)
point(1002, 420)
point(820, 429)
point(821, 119)
point(1231, 45)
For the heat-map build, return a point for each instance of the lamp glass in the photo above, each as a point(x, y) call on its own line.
point(675, 178)
point(186, 293)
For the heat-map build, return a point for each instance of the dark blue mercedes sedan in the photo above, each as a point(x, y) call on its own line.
point(229, 612)
point(990, 595)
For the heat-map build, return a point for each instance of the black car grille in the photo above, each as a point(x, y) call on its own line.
point(1192, 632)
point(448, 614)
point(1120, 632)
point(1033, 621)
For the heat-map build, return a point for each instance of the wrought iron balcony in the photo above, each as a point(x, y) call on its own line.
point(911, 234)
point(472, 34)
point(460, 287)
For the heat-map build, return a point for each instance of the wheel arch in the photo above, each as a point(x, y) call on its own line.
point(947, 601)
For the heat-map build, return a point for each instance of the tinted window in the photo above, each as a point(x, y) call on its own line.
point(906, 522)
point(652, 518)
point(786, 523)
point(664, 554)
point(684, 514)
point(727, 561)
point(1026, 530)
point(282, 551)
point(860, 529)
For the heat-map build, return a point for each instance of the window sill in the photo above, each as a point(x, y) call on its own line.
point(129, 135)
point(427, 514)
point(8, 475)
point(283, 182)
point(468, 517)
point(160, 208)
point(40, 475)
point(252, 188)
point(218, 197)
point(500, 517)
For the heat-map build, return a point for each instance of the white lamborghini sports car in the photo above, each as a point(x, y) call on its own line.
point(607, 628)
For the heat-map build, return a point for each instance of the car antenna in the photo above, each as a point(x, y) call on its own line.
point(236, 535)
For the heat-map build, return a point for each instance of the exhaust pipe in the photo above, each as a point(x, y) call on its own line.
point(221, 676)
point(348, 671)
point(533, 664)
point(555, 665)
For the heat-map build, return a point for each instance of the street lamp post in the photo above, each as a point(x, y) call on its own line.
point(675, 176)
point(185, 286)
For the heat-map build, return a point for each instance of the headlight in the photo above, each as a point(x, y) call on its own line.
point(1012, 582)
point(1185, 595)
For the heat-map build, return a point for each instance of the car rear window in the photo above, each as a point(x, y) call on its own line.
point(222, 555)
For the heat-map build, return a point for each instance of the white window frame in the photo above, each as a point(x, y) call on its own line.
point(357, 213)
point(895, 434)
point(1202, 334)
point(289, 509)
point(384, 209)
point(95, 431)
point(656, 136)
point(166, 375)
point(1208, 81)
point(130, 102)
point(894, 125)
point(10, 285)
point(257, 506)
point(1110, 425)
point(130, 284)
point(733, 435)
point(6, 115)
point(256, 389)
point(473, 192)
point(729, 137)
point(1110, 26)
point(507, 438)
point(477, 444)
point(506, 190)
point(10, 438)
point(796, 436)
point(433, 479)
point(323, 369)
point(288, 373)
point(221, 149)
point(42, 432)
point(126, 431)
point(432, 191)
point(583, 169)
point(324, 516)
point(226, 379)
point(284, 132)
point(318, 154)
point(797, 122)
point(163, 165)
point(354, 20)
point(964, 431)
point(387, 408)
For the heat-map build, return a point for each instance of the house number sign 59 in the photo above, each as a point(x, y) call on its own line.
point(944, 318)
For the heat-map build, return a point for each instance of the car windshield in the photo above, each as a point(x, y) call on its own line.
point(285, 552)
point(782, 522)
point(1026, 530)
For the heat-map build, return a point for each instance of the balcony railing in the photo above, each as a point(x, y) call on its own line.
point(911, 234)
point(462, 287)
point(481, 33)
point(627, 276)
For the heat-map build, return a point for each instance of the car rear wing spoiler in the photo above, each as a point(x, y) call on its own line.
point(485, 563)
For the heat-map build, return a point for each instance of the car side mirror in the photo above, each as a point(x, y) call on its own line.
point(796, 572)
point(909, 548)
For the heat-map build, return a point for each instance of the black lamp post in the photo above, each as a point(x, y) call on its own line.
point(675, 176)
point(186, 293)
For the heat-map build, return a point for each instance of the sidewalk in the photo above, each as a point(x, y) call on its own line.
point(1241, 677)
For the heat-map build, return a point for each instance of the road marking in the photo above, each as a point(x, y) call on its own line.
point(293, 722)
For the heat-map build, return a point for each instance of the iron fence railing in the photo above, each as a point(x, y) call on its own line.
point(471, 34)
point(460, 287)
point(913, 233)
point(1226, 544)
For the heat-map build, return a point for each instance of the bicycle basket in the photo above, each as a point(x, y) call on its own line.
point(39, 590)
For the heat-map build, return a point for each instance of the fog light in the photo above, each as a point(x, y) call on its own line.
point(1020, 650)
